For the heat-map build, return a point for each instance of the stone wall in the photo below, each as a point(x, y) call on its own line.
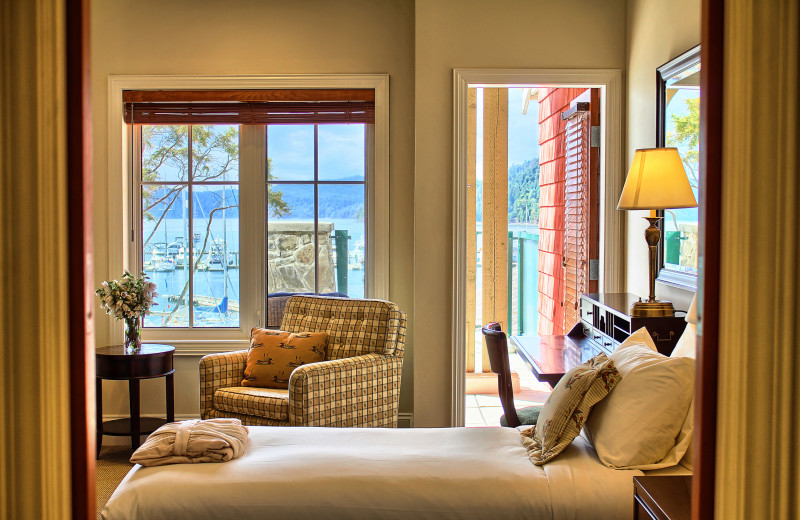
point(290, 249)
point(689, 246)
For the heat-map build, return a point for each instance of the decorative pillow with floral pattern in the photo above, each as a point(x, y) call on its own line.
point(274, 354)
point(566, 410)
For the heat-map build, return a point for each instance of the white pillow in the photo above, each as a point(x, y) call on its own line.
point(688, 430)
point(687, 344)
point(687, 347)
point(644, 423)
point(639, 338)
point(691, 314)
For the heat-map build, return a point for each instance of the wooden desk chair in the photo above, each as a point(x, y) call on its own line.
point(497, 346)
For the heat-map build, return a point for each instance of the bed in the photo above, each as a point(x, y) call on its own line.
point(445, 473)
point(380, 473)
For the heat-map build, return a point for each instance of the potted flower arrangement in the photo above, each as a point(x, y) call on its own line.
point(128, 299)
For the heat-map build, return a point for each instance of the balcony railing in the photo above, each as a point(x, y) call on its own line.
point(523, 281)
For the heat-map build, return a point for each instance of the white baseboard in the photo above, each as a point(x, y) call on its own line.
point(404, 420)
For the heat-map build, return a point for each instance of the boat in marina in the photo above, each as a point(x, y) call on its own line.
point(174, 248)
point(216, 264)
point(355, 257)
point(164, 265)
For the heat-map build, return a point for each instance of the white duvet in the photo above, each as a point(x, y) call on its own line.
point(321, 473)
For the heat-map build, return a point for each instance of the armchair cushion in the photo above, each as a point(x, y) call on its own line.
point(354, 327)
point(273, 355)
point(272, 403)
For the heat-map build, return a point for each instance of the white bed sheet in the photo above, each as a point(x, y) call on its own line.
point(379, 473)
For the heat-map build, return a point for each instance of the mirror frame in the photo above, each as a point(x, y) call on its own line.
point(682, 62)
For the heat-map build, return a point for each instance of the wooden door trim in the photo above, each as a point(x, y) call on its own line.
point(81, 280)
point(711, 118)
point(594, 190)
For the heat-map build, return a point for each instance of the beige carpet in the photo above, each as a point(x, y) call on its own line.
point(111, 468)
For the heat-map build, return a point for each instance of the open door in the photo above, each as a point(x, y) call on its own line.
point(569, 224)
point(581, 205)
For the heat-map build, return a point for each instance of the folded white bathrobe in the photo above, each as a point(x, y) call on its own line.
point(212, 440)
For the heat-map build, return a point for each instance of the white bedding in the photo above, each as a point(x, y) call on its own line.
point(379, 473)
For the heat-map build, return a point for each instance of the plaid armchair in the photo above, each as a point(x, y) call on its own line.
point(358, 384)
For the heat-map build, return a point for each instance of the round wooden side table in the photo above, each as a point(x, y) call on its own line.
point(115, 362)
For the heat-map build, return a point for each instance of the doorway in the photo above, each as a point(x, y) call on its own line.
point(532, 217)
point(524, 241)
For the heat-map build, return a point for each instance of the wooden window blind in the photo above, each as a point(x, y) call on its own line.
point(250, 107)
point(576, 218)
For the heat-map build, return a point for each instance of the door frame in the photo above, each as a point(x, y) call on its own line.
point(612, 233)
point(80, 257)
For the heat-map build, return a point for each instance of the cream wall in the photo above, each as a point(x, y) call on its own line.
point(256, 37)
point(478, 34)
point(657, 31)
point(418, 45)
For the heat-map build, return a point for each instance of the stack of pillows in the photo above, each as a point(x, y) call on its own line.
point(274, 354)
point(641, 405)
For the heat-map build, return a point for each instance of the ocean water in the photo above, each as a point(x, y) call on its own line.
point(216, 284)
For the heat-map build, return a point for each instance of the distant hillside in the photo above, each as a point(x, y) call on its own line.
point(335, 201)
point(523, 193)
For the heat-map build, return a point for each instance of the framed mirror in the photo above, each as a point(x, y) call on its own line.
point(678, 125)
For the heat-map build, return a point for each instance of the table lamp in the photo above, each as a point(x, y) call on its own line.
point(655, 181)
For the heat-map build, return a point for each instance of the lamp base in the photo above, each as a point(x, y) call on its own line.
point(652, 309)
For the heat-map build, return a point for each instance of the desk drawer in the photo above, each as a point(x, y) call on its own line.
point(590, 332)
point(607, 344)
point(589, 312)
point(599, 342)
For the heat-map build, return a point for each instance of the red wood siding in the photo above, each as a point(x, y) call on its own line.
point(552, 101)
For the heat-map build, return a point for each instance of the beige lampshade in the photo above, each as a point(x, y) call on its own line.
point(656, 180)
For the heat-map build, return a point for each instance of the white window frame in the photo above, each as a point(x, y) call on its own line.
point(612, 233)
point(123, 253)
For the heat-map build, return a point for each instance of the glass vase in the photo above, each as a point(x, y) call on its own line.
point(133, 339)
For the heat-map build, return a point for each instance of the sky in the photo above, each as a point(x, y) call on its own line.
point(341, 151)
point(341, 147)
point(523, 130)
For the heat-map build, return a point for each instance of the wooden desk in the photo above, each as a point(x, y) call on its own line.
point(115, 362)
point(662, 497)
point(550, 357)
point(604, 324)
point(606, 320)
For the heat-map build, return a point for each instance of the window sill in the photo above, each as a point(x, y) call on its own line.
point(677, 279)
point(201, 347)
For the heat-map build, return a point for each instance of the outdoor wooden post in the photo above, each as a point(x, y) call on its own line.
point(472, 253)
point(495, 209)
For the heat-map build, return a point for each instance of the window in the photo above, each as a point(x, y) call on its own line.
point(308, 168)
point(316, 201)
point(678, 121)
point(189, 228)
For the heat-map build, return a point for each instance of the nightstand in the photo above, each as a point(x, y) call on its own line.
point(662, 498)
point(116, 362)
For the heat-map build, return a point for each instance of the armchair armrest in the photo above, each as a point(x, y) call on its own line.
point(219, 371)
point(355, 391)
